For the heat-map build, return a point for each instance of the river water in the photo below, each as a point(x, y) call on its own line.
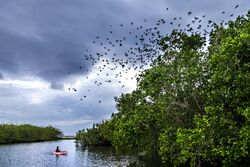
point(39, 154)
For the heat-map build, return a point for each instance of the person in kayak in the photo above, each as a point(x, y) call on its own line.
point(57, 149)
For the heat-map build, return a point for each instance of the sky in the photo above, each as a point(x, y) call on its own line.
point(45, 78)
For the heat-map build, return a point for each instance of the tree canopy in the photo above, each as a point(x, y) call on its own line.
point(192, 106)
point(10, 133)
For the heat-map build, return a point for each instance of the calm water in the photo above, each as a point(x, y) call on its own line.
point(40, 155)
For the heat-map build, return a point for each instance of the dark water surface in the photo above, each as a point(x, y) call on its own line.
point(40, 155)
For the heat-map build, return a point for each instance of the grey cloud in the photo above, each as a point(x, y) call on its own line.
point(57, 85)
point(1, 76)
point(65, 111)
point(46, 38)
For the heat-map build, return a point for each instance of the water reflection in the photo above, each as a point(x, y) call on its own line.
point(108, 156)
point(104, 156)
point(40, 155)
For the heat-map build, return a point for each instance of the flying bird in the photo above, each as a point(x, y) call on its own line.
point(137, 49)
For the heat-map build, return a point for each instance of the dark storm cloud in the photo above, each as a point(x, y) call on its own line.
point(46, 38)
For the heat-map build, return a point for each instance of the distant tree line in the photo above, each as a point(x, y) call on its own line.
point(10, 133)
point(192, 107)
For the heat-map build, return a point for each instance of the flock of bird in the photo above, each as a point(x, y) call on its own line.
point(136, 49)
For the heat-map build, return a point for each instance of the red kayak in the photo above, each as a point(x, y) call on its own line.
point(60, 153)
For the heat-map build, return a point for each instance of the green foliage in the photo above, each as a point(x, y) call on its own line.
point(192, 107)
point(100, 134)
point(222, 134)
point(27, 133)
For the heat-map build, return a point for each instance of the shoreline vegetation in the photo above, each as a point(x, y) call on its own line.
point(192, 107)
point(10, 133)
